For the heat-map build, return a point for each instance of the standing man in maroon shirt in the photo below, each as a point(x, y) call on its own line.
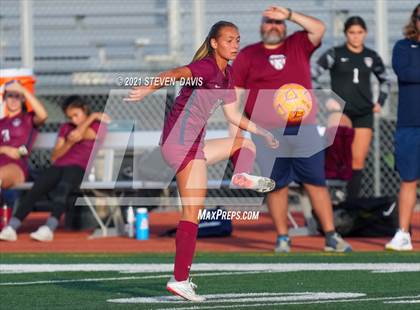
point(262, 68)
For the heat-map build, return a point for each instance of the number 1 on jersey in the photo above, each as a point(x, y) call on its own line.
point(356, 76)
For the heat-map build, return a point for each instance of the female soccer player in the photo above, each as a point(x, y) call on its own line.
point(185, 150)
point(350, 68)
point(70, 157)
point(18, 130)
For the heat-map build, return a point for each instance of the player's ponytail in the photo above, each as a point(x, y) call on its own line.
point(202, 51)
point(205, 49)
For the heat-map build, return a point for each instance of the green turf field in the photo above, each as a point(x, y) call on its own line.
point(230, 281)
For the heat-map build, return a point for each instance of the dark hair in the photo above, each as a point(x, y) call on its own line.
point(354, 20)
point(410, 30)
point(205, 49)
point(75, 101)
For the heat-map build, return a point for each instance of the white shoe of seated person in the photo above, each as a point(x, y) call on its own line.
point(8, 234)
point(185, 289)
point(44, 233)
point(400, 242)
point(257, 183)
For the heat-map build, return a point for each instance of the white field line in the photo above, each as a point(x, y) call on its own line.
point(152, 268)
point(352, 300)
point(242, 297)
point(412, 301)
point(167, 276)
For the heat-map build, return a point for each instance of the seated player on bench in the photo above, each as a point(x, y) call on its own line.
point(70, 157)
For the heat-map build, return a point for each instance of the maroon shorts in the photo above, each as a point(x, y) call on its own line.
point(178, 156)
point(5, 160)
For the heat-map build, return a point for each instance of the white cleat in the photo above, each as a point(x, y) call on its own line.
point(8, 234)
point(185, 289)
point(400, 242)
point(257, 183)
point(44, 234)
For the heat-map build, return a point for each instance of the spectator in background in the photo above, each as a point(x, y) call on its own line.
point(262, 68)
point(406, 64)
point(351, 66)
point(18, 130)
point(75, 142)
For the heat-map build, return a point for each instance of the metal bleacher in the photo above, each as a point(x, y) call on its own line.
point(85, 36)
point(96, 36)
point(80, 46)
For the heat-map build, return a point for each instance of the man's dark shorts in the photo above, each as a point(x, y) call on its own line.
point(299, 158)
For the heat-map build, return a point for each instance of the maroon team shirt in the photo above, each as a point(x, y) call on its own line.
point(15, 132)
point(185, 124)
point(257, 68)
point(79, 153)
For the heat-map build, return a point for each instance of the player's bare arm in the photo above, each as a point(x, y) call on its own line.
point(12, 152)
point(62, 146)
point(237, 119)
point(138, 93)
point(84, 131)
point(40, 112)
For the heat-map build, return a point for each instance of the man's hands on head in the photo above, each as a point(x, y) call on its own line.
point(277, 12)
point(315, 27)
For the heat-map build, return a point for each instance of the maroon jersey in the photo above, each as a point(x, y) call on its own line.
point(80, 152)
point(194, 105)
point(15, 132)
point(262, 71)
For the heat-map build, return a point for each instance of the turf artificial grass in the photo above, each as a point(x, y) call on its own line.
point(94, 289)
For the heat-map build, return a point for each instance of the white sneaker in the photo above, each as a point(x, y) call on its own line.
point(185, 289)
point(8, 234)
point(257, 183)
point(400, 242)
point(44, 233)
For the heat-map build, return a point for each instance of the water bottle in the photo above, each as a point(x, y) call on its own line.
point(92, 175)
point(130, 222)
point(142, 224)
point(4, 216)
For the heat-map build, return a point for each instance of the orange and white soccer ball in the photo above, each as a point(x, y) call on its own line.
point(293, 102)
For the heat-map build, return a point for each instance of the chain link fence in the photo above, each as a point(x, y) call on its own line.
point(83, 47)
point(152, 112)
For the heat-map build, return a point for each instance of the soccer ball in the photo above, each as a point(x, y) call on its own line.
point(293, 102)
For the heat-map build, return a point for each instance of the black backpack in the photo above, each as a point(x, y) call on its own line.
point(208, 228)
point(366, 217)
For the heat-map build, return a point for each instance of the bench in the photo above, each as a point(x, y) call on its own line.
point(121, 141)
point(115, 142)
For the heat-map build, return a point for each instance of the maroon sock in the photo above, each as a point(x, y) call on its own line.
point(243, 160)
point(186, 237)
